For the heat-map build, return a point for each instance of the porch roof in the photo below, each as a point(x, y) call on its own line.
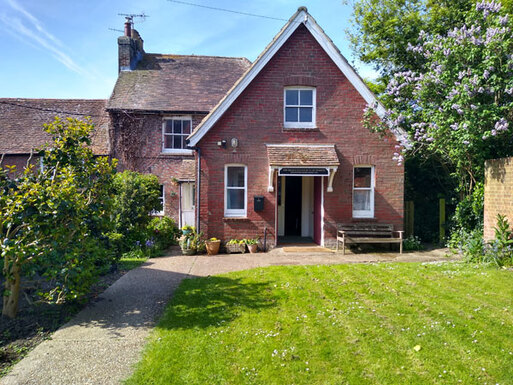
point(302, 155)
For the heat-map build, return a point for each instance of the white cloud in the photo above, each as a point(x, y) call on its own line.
point(29, 29)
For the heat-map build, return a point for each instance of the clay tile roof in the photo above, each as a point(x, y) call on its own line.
point(21, 122)
point(188, 171)
point(308, 155)
point(176, 83)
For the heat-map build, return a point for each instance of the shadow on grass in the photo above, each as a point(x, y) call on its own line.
point(213, 301)
point(139, 298)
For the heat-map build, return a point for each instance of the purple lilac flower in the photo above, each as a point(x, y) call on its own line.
point(501, 125)
point(503, 20)
point(454, 92)
point(488, 6)
point(486, 74)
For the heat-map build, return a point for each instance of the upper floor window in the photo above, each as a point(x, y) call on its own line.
point(299, 108)
point(175, 131)
point(363, 192)
point(235, 197)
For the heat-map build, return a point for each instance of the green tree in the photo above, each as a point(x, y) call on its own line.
point(54, 219)
point(458, 106)
point(382, 30)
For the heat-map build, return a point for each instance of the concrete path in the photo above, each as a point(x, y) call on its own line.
point(103, 342)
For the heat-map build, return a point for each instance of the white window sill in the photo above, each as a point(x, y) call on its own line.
point(177, 152)
point(239, 218)
point(292, 126)
point(363, 217)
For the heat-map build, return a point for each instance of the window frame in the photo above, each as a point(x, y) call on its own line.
point(364, 213)
point(176, 151)
point(235, 213)
point(311, 124)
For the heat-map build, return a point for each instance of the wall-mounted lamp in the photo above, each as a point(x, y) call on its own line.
point(222, 143)
point(234, 143)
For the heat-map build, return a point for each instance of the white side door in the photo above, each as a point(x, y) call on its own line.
point(188, 203)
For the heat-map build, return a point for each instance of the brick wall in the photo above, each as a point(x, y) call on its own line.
point(498, 194)
point(20, 161)
point(137, 143)
point(256, 118)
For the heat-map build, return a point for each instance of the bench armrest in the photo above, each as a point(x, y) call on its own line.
point(400, 232)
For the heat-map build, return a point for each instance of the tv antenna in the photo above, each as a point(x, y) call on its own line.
point(130, 16)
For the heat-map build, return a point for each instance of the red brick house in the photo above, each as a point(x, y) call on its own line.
point(285, 151)
point(241, 149)
point(156, 103)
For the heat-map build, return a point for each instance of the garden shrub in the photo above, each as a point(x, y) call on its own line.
point(413, 242)
point(136, 196)
point(500, 250)
point(164, 232)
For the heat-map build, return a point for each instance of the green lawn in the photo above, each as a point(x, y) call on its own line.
point(130, 261)
point(444, 323)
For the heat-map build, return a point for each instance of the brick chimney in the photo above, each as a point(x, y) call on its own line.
point(130, 48)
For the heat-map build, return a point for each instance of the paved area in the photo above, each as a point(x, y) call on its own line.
point(103, 342)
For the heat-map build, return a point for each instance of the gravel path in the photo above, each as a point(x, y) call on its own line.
point(103, 342)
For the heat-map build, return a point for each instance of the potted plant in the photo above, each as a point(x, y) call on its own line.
point(186, 230)
point(190, 241)
point(252, 245)
point(236, 246)
point(212, 246)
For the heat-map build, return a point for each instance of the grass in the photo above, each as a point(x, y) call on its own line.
point(445, 323)
point(131, 260)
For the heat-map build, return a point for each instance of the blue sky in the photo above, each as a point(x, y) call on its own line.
point(64, 48)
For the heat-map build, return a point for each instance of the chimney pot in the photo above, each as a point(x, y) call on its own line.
point(128, 28)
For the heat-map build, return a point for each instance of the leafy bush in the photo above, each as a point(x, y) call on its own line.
point(137, 195)
point(412, 243)
point(164, 231)
point(469, 243)
point(54, 221)
point(500, 250)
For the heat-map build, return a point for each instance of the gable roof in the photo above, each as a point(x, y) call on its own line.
point(181, 83)
point(21, 122)
point(301, 17)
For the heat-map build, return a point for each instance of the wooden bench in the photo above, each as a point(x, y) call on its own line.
point(368, 233)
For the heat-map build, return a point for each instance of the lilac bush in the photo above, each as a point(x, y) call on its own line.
point(460, 106)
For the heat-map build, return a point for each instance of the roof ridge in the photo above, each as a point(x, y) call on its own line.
point(53, 99)
point(200, 56)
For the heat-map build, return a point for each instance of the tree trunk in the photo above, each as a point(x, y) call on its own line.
point(12, 294)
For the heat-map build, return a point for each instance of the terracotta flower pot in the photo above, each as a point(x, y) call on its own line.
point(253, 248)
point(212, 247)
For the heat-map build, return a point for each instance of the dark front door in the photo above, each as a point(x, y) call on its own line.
point(293, 193)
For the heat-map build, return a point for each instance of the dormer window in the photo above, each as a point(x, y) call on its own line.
point(299, 107)
point(175, 131)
